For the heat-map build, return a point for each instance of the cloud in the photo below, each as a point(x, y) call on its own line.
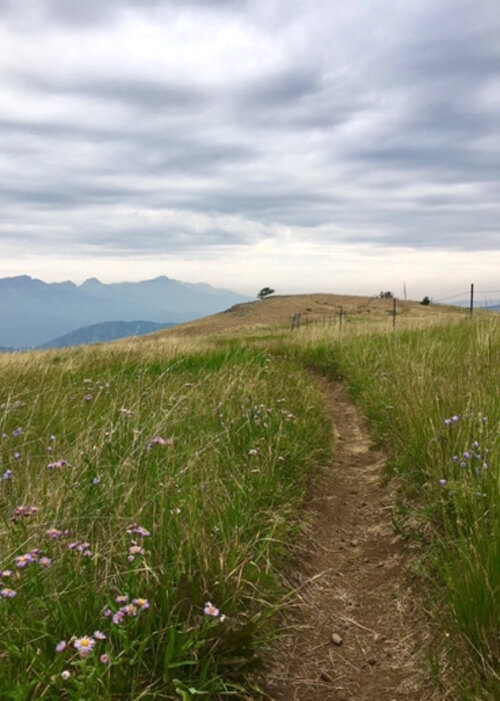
point(141, 128)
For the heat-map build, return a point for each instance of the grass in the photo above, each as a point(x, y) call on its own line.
point(218, 503)
point(203, 437)
point(432, 397)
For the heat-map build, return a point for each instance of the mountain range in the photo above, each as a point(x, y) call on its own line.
point(33, 312)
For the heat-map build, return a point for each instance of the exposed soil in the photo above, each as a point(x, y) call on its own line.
point(352, 581)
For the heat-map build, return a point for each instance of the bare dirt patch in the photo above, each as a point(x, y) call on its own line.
point(352, 582)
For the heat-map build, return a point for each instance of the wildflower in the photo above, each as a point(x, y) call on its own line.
point(129, 610)
point(57, 464)
point(23, 510)
point(455, 419)
point(99, 635)
point(52, 438)
point(8, 593)
point(96, 481)
point(84, 645)
point(17, 455)
point(17, 432)
point(211, 610)
point(88, 397)
point(253, 451)
point(7, 475)
point(5, 573)
point(45, 561)
point(54, 533)
point(122, 599)
point(136, 550)
point(443, 482)
point(158, 440)
point(35, 553)
point(118, 618)
point(50, 449)
point(65, 674)
point(61, 646)
point(105, 659)
point(23, 560)
point(139, 530)
point(107, 612)
point(143, 604)
point(467, 455)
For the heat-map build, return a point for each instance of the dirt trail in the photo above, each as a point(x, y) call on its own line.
point(353, 581)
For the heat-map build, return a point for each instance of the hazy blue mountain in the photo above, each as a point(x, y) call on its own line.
point(33, 312)
point(491, 305)
point(105, 331)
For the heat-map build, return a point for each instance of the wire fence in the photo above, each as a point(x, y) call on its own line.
point(395, 307)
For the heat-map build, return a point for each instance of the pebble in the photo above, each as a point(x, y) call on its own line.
point(326, 677)
point(354, 542)
point(337, 639)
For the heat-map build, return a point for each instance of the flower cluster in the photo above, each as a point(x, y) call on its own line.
point(35, 555)
point(84, 646)
point(452, 420)
point(23, 511)
point(81, 547)
point(127, 609)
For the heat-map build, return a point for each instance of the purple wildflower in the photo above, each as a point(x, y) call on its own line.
point(122, 599)
point(211, 610)
point(7, 475)
point(158, 440)
point(96, 481)
point(61, 646)
point(45, 561)
point(57, 464)
point(8, 593)
point(88, 397)
point(84, 645)
point(5, 573)
point(118, 618)
point(143, 604)
point(17, 432)
point(23, 560)
point(105, 659)
point(99, 635)
point(54, 533)
point(443, 482)
point(17, 455)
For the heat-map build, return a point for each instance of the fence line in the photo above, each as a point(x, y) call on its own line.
point(341, 315)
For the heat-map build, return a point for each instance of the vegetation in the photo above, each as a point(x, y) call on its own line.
point(265, 292)
point(149, 489)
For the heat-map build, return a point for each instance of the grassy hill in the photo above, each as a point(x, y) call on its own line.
point(151, 488)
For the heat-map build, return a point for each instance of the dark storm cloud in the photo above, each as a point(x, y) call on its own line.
point(340, 125)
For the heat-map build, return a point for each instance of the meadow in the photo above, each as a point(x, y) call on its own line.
point(149, 492)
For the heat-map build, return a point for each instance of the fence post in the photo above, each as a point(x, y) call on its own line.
point(471, 307)
point(341, 316)
point(394, 302)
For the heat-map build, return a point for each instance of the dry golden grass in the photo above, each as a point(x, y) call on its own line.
point(276, 313)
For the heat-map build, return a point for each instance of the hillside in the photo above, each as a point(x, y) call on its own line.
point(278, 311)
point(102, 333)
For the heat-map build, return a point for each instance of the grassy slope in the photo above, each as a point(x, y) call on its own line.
point(218, 504)
point(220, 515)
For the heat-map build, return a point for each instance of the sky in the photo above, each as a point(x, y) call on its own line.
point(305, 145)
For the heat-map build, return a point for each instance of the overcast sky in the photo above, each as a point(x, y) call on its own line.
point(309, 145)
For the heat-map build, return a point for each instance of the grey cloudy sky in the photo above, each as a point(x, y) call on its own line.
point(309, 145)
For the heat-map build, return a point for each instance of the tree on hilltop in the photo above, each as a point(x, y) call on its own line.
point(265, 292)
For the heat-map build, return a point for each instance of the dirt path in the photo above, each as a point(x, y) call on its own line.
point(353, 581)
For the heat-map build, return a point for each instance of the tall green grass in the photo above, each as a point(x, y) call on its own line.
point(175, 480)
point(433, 397)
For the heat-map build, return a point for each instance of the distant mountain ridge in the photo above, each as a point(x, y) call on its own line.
point(105, 332)
point(33, 312)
